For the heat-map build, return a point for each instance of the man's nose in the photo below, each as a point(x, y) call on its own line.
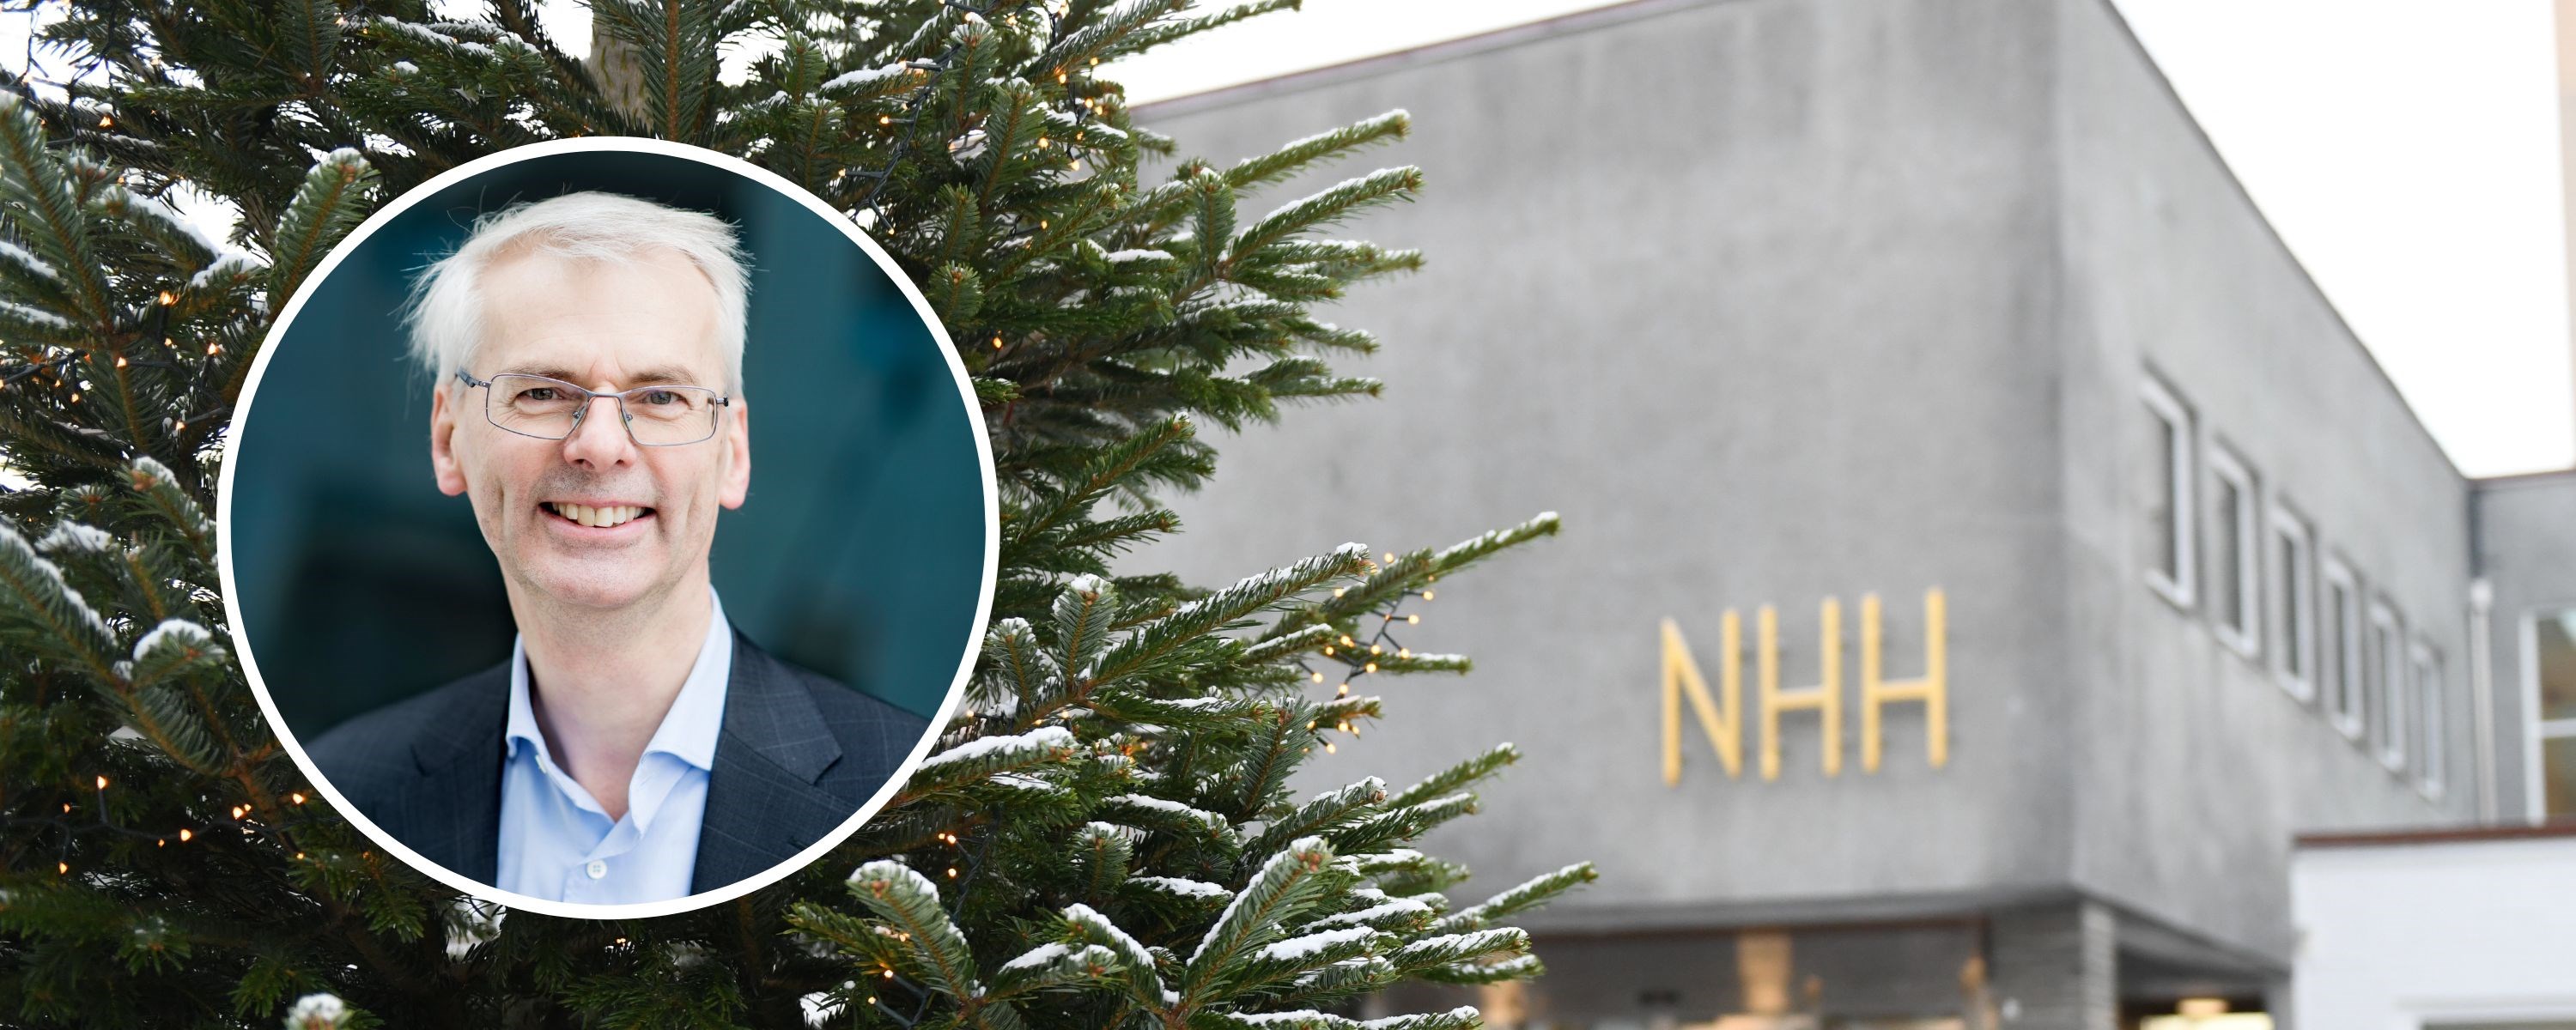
point(599, 440)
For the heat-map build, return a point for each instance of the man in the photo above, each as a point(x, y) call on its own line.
point(635, 747)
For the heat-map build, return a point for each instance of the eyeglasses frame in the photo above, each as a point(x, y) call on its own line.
point(626, 420)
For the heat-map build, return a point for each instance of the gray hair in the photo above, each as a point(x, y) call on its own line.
point(444, 313)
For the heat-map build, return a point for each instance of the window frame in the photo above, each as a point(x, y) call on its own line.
point(2347, 697)
point(2227, 466)
point(2536, 732)
point(2388, 633)
point(2433, 724)
point(2168, 408)
point(2294, 629)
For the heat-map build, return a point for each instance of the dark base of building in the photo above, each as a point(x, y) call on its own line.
point(2077, 965)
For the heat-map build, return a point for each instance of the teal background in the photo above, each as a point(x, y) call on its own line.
point(859, 553)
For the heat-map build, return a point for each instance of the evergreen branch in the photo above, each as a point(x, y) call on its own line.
point(1158, 34)
point(1096, 39)
point(34, 590)
point(985, 758)
point(38, 201)
point(1287, 884)
point(1104, 851)
point(1282, 646)
point(910, 901)
point(1137, 969)
point(1537, 891)
point(1300, 154)
point(1321, 816)
point(158, 489)
point(1325, 207)
point(1082, 616)
point(1155, 640)
point(331, 202)
point(1459, 777)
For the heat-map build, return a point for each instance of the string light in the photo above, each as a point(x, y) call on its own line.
point(1426, 595)
point(168, 298)
point(298, 798)
point(106, 122)
point(102, 783)
point(186, 835)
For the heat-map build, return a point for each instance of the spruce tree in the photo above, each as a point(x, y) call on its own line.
point(1106, 836)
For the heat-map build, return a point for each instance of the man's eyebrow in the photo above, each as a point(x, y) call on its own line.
point(670, 375)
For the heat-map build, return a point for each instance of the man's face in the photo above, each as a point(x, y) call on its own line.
point(607, 327)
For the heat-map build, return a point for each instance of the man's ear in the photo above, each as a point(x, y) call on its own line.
point(737, 473)
point(442, 443)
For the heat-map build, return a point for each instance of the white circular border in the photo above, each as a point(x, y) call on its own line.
point(966, 395)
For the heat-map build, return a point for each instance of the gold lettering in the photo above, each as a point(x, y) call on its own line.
point(1826, 697)
point(1932, 690)
point(1681, 673)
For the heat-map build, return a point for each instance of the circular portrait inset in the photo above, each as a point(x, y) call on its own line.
point(607, 527)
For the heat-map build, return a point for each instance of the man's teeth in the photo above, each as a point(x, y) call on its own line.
point(601, 517)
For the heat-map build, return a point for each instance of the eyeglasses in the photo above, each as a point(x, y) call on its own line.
point(551, 409)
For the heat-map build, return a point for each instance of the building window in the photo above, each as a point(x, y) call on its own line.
point(2236, 574)
point(2294, 611)
point(2549, 698)
point(2339, 646)
point(2169, 555)
point(2432, 719)
point(2384, 669)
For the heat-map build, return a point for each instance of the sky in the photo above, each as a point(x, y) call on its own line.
point(2407, 151)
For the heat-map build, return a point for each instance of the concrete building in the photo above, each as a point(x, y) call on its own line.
point(1936, 330)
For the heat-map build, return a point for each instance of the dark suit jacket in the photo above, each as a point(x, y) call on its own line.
point(797, 755)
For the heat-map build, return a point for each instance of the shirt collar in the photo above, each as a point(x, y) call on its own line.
point(688, 731)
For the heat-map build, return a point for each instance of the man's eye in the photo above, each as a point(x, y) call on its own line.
point(659, 397)
point(537, 393)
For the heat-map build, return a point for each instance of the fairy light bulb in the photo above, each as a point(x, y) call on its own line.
point(1426, 595)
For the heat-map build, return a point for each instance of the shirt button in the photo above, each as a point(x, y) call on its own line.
point(596, 869)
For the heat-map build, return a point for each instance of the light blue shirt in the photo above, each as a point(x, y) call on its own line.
point(557, 843)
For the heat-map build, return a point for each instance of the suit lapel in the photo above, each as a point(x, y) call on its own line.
point(763, 805)
point(457, 812)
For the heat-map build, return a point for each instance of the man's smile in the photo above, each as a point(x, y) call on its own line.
point(595, 516)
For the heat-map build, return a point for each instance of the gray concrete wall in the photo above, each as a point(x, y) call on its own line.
point(2527, 551)
point(2197, 766)
point(1757, 295)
